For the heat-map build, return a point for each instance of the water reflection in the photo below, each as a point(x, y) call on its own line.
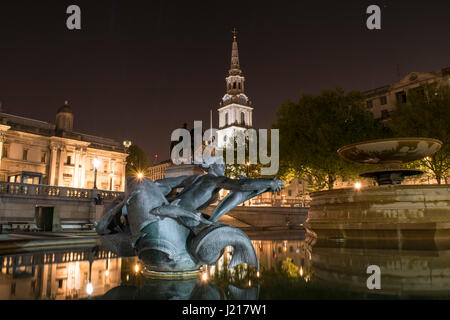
point(290, 269)
point(58, 274)
point(409, 268)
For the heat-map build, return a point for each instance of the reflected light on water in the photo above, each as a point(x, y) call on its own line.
point(89, 288)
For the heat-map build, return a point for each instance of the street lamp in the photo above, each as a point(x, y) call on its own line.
point(96, 165)
point(127, 144)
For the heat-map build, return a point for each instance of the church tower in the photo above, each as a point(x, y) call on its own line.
point(235, 111)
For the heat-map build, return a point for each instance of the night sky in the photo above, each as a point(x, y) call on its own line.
point(138, 70)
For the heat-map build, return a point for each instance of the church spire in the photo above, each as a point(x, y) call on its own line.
point(235, 69)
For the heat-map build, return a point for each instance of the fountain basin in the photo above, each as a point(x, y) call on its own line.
point(390, 152)
point(383, 212)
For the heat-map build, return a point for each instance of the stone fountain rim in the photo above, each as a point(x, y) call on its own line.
point(381, 188)
point(388, 140)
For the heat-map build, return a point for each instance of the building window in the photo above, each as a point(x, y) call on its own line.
point(383, 100)
point(369, 104)
point(384, 114)
point(60, 283)
point(289, 193)
point(5, 151)
point(234, 85)
point(242, 118)
point(419, 91)
point(25, 154)
point(401, 96)
point(226, 118)
point(43, 157)
point(239, 85)
point(69, 160)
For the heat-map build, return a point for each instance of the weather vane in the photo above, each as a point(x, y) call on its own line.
point(234, 33)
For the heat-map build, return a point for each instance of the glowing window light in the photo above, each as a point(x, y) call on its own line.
point(136, 268)
point(205, 276)
point(301, 271)
point(358, 185)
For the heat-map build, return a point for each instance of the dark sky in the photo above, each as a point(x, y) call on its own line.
point(138, 70)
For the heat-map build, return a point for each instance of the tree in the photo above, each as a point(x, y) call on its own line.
point(235, 169)
point(426, 114)
point(137, 161)
point(312, 130)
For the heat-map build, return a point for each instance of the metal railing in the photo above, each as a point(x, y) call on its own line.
point(41, 190)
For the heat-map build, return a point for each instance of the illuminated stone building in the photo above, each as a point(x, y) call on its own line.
point(158, 171)
point(381, 101)
point(38, 152)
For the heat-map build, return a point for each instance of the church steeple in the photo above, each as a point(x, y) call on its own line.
point(235, 80)
point(235, 69)
point(235, 110)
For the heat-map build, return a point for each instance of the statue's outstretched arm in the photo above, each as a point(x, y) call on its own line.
point(232, 200)
point(250, 184)
point(166, 185)
point(243, 190)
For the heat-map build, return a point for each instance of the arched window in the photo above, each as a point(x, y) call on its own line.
point(239, 85)
point(234, 85)
point(242, 118)
point(226, 118)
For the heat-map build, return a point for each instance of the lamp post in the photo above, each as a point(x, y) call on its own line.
point(111, 176)
point(96, 165)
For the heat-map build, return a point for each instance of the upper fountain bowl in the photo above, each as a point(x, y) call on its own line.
point(390, 152)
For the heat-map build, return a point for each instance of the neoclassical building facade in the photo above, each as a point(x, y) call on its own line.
point(38, 152)
point(381, 101)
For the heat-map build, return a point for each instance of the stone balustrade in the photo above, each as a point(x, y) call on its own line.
point(66, 193)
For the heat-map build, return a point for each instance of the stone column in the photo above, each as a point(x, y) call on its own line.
point(3, 129)
point(61, 166)
point(76, 170)
point(2, 139)
point(111, 174)
point(52, 165)
point(83, 168)
point(124, 177)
